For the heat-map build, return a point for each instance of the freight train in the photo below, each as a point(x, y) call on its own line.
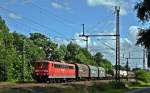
point(53, 71)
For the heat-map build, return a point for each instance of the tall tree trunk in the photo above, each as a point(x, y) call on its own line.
point(148, 59)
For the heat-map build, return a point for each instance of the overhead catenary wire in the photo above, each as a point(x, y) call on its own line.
point(43, 26)
point(36, 23)
point(27, 26)
point(46, 33)
point(99, 23)
point(58, 18)
point(109, 47)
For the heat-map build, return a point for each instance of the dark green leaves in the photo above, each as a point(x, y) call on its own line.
point(143, 10)
point(143, 13)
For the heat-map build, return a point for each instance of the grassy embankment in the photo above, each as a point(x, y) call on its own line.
point(67, 88)
point(143, 79)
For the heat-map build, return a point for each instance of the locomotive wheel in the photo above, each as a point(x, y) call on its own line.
point(40, 80)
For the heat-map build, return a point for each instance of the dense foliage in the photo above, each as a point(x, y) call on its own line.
point(143, 10)
point(20, 52)
point(143, 13)
point(143, 75)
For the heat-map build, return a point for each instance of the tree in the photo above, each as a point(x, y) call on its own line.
point(89, 56)
point(143, 10)
point(76, 54)
point(63, 51)
point(28, 53)
point(143, 38)
point(43, 42)
point(85, 57)
point(98, 57)
point(9, 61)
point(106, 64)
point(100, 61)
point(56, 55)
point(143, 13)
point(72, 51)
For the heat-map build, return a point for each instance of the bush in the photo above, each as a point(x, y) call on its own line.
point(143, 75)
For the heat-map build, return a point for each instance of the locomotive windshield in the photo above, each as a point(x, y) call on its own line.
point(41, 65)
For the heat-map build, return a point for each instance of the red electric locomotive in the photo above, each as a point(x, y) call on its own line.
point(53, 71)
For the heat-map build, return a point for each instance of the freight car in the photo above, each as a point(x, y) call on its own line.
point(101, 73)
point(131, 75)
point(82, 71)
point(124, 74)
point(93, 72)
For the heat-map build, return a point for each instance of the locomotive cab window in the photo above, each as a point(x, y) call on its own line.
point(41, 64)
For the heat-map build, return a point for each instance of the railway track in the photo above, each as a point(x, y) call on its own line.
point(35, 84)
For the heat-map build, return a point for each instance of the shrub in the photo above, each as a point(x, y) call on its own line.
point(143, 75)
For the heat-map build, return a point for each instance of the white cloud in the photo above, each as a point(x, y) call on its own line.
point(27, 1)
point(61, 5)
point(14, 16)
point(110, 4)
point(133, 31)
point(102, 2)
point(126, 43)
point(56, 5)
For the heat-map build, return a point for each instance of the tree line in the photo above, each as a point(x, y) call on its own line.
point(18, 54)
point(142, 8)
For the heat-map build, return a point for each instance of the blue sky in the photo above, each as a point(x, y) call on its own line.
point(61, 20)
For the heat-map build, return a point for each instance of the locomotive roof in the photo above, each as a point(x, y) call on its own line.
point(42, 61)
point(47, 61)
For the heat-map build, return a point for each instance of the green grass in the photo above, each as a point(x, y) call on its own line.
point(139, 83)
point(106, 88)
point(16, 81)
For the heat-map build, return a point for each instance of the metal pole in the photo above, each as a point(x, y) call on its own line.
point(127, 67)
point(86, 36)
point(147, 57)
point(83, 28)
point(117, 45)
point(143, 58)
point(87, 42)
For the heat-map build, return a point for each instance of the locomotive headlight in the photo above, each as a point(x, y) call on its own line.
point(45, 71)
point(36, 70)
point(41, 70)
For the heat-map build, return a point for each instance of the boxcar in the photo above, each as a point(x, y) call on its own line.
point(123, 73)
point(82, 71)
point(101, 72)
point(131, 74)
point(93, 71)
